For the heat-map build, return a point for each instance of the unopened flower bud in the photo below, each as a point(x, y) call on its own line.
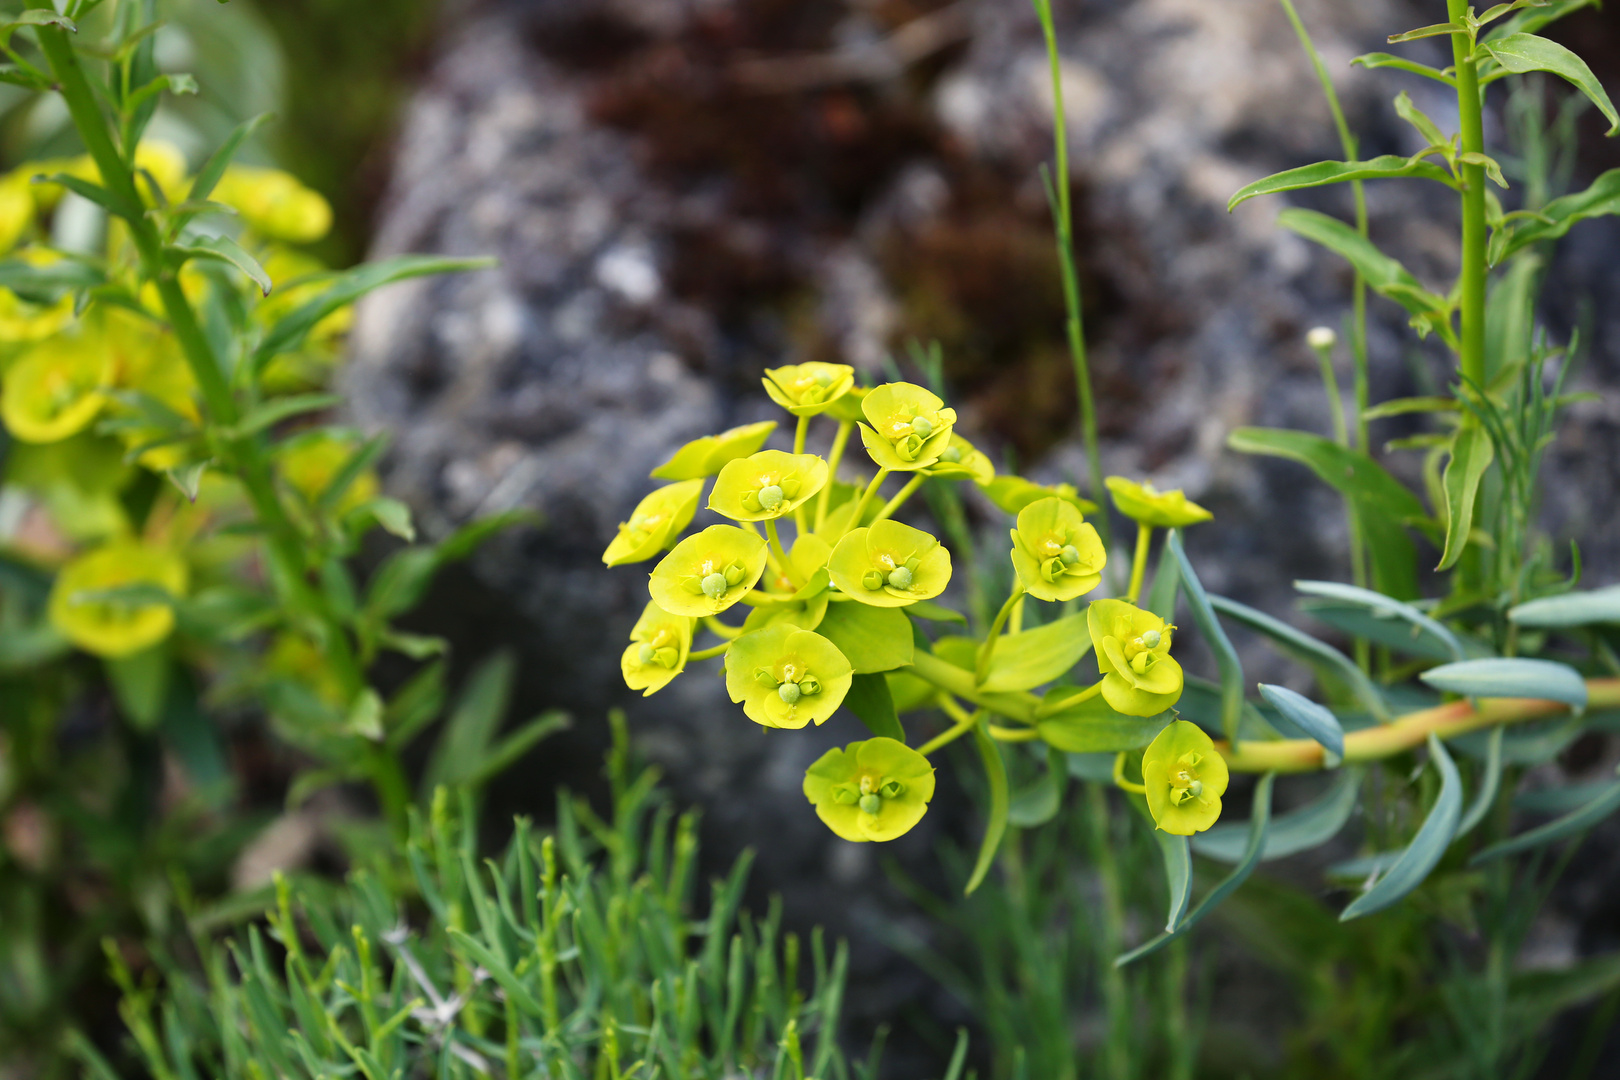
point(1321, 338)
point(872, 579)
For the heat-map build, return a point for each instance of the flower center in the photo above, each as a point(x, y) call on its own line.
point(900, 578)
point(714, 585)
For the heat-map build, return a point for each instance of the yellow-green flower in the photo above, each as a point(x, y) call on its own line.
point(872, 790)
point(1013, 493)
point(56, 388)
point(25, 320)
point(1146, 505)
point(659, 644)
point(1058, 555)
point(16, 209)
point(889, 564)
point(808, 389)
point(112, 626)
point(1185, 779)
point(768, 484)
point(909, 427)
point(847, 409)
point(961, 460)
point(708, 455)
point(708, 571)
point(275, 204)
point(310, 463)
point(786, 677)
point(656, 521)
point(1140, 677)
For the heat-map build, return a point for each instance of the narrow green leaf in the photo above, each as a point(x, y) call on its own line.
point(927, 609)
point(1508, 677)
point(141, 685)
point(1400, 63)
point(350, 471)
point(1490, 779)
point(400, 581)
point(995, 826)
point(1177, 877)
point(1405, 406)
point(1600, 199)
point(873, 638)
point(226, 250)
point(472, 725)
point(1521, 53)
point(289, 333)
point(1606, 802)
point(1571, 609)
point(1259, 824)
point(1432, 30)
point(485, 958)
point(506, 753)
point(1038, 802)
point(1427, 128)
point(1027, 660)
point(1537, 15)
point(869, 698)
point(1421, 856)
point(1388, 608)
point(209, 175)
point(1226, 657)
point(97, 194)
point(393, 515)
point(1387, 167)
point(1309, 827)
point(35, 17)
point(1301, 717)
point(1328, 662)
point(274, 411)
point(1166, 586)
point(1384, 275)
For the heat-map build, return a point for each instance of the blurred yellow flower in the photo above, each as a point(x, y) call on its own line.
point(275, 204)
point(116, 626)
point(56, 388)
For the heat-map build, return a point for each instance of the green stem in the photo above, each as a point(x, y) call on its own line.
point(1470, 109)
point(1116, 1000)
point(834, 456)
point(1002, 734)
point(900, 497)
point(1119, 777)
point(711, 651)
point(964, 722)
point(1059, 704)
point(988, 649)
point(866, 497)
point(720, 629)
point(801, 512)
point(1144, 537)
point(1064, 213)
point(775, 540)
point(959, 683)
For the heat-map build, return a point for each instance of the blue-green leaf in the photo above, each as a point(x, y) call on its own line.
point(1432, 634)
point(1259, 821)
point(1299, 716)
point(208, 176)
point(1557, 217)
point(1226, 657)
point(1545, 680)
point(1471, 454)
point(1038, 802)
point(1400, 63)
point(995, 826)
point(1387, 167)
point(1571, 609)
point(1166, 585)
point(1311, 826)
point(1177, 877)
point(1522, 53)
point(1606, 802)
point(1424, 852)
point(1490, 779)
point(1384, 275)
point(1327, 661)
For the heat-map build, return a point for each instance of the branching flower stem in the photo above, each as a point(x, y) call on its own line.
point(834, 456)
point(988, 649)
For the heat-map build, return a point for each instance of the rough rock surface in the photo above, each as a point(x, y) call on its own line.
point(672, 214)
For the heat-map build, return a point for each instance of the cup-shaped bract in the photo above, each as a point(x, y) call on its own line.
point(872, 790)
point(659, 645)
point(888, 564)
point(1057, 553)
point(708, 455)
point(655, 523)
point(112, 625)
point(786, 677)
point(708, 571)
point(1140, 677)
point(907, 428)
point(56, 388)
point(1013, 493)
point(809, 388)
point(847, 409)
point(1185, 778)
point(961, 460)
point(1147, 505)
point(768, 484)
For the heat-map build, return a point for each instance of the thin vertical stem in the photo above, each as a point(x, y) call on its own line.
point(835, 456)
point(1116, 1000)
point(801, 513)
point(1063, 212)
point(1470, 110)
point(1144, 538)
point(900, 497)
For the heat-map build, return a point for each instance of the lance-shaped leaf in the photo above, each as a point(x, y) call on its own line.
point(1555, 219)
point(1520, 677)
point(1026, 660)
point(1299, 716)
point(1421, 635)
point(228, 251)
point(1490, 778)
point(1421, 856)
point(995, 826)
point(1327, 661)
point(1537, 15)
point(1387, 167)
point(1166, 586)
point(1384, 275)
point(1604, 803)
point(1471, 454)
point(1177, 877)
point(1522, 53)
point(1226, 657)
point(1038, 802)
point(1259, 822)
point(1311, 826)
point(1400, 63)
point(1093, 726)
point(1571, 609)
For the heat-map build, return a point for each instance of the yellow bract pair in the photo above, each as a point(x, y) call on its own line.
point(117, 600)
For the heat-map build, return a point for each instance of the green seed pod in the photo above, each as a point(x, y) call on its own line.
point(1070, 555)
point(922, 427)
point(789, 693)
point(900, 578)
point(871, 804)
point(769, 498)
point(714, 586)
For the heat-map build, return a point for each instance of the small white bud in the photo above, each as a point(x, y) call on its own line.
point(1321, 338)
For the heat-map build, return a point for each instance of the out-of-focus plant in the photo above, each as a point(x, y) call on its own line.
point(178, 517)
point(576, 954)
